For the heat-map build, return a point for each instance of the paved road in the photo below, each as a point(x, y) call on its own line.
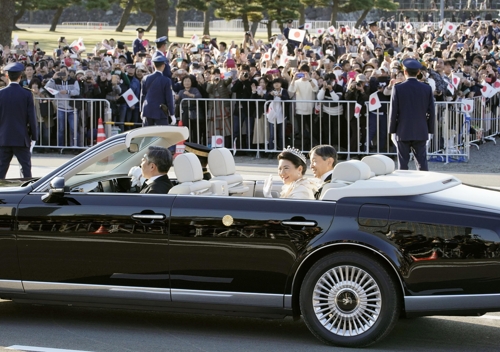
point(116, 330)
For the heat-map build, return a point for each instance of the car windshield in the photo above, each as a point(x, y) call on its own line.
point(112, 161)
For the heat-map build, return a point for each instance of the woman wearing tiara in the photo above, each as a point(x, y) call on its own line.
point(292, 168)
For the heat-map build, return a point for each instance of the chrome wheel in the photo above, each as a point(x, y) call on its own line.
point(347, 300)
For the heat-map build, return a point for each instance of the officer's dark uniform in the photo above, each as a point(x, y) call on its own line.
point(156, 91)
point(137, 44)
point(160, 41)
point(201, 152)
point(412, 118)
point(17, 124)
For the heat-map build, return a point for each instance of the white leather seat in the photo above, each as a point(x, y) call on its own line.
point(189, 174)
point(379, 164)
point(346, 173)
point(222, 166)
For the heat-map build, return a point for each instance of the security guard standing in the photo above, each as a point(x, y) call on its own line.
point(201, 152)
point(137, 45)
point(17, 122)
point(412, 117)
point(157, 100)
point(161, 46)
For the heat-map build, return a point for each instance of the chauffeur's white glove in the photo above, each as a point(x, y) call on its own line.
point(174, 120)
point(136, 176)
point(428, 140)
point(267, 187)
point(393, 139)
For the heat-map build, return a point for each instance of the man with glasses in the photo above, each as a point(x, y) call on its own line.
point(154, 166)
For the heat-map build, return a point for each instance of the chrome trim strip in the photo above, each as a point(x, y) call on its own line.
point(451, 302)
point(299, 223)
point(13, 286)
point(348, 244)
point(226, 297)
point(103, 291)
point(287, 302)
point(148, 216)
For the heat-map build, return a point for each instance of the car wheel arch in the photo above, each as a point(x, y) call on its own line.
point(328, 249)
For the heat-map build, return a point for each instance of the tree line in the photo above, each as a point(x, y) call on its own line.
point(251, 12)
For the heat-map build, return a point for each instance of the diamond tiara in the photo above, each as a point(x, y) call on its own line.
point(296, 152)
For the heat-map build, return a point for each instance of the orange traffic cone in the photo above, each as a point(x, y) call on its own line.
point(101, 136)
point(179, 147)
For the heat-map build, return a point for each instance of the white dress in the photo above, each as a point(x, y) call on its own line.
point(301, 189)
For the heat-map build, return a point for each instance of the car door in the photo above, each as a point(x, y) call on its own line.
point(104, 245)
point(239, 250)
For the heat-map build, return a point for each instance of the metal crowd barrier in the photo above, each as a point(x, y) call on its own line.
point(73, 125)
point(243, 125)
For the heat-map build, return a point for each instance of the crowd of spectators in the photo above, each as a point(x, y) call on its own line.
point(335, 66)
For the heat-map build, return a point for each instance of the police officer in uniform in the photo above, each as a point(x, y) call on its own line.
point(17, 122)
point(161, 46)
point(157, 100)
point(373, 30)
point(412, 117)
point(137, 45)
point(201, 152)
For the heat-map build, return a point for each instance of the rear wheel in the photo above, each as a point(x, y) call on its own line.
point(349, 299)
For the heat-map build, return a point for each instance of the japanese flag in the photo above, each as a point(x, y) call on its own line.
point(425, 45)
point(130, 97)
point(487, 91)
point(408, 27)
point(320, 31)
point(374, 102)
point(450, 27)
point(297, 35)
point(451, 88)
point(217, 141)
point(331, 30)
point(194, 39)
point(347, 29)
point(356, 31)
point(267, 56)
point(308, 26)
point(51, 90)
point(15, 40)
point(78, 45)
point(424, 28)
point(467, 106)
point(496, 86)
point(369, 43)
point(455, 80)
point(357, 110)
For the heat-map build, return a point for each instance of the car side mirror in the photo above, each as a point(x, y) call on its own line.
point(56, 192)
point(134, 148)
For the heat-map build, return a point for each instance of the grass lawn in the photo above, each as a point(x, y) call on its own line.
point(48, 40)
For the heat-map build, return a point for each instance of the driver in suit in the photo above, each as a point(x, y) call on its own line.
point(154, 166)
point(323, 159)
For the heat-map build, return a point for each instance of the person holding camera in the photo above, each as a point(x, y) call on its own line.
point(332, 110)
point(243, 111)
point(219, 111)
point(358, 91)
point(66, 88)
point(276, 113)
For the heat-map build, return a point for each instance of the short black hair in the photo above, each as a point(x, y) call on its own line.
point(325, 151)
point(159, 64)
point(14, 76)
point(412, 72)
point(304, 68)
point(161, 157)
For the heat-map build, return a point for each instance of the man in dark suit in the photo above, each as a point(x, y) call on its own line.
point(154, 166)
point(18, 127)
point(156, 96)
point(323, 160)
point(412, 117)
point(161, 50)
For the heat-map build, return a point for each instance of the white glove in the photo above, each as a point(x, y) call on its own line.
point(32, 145)
point(267, 187)
point(393, 139)
point(174, 120)
point(136, 176)
point(428, 140)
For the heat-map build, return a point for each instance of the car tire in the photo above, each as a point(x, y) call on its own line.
point(349, 299)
